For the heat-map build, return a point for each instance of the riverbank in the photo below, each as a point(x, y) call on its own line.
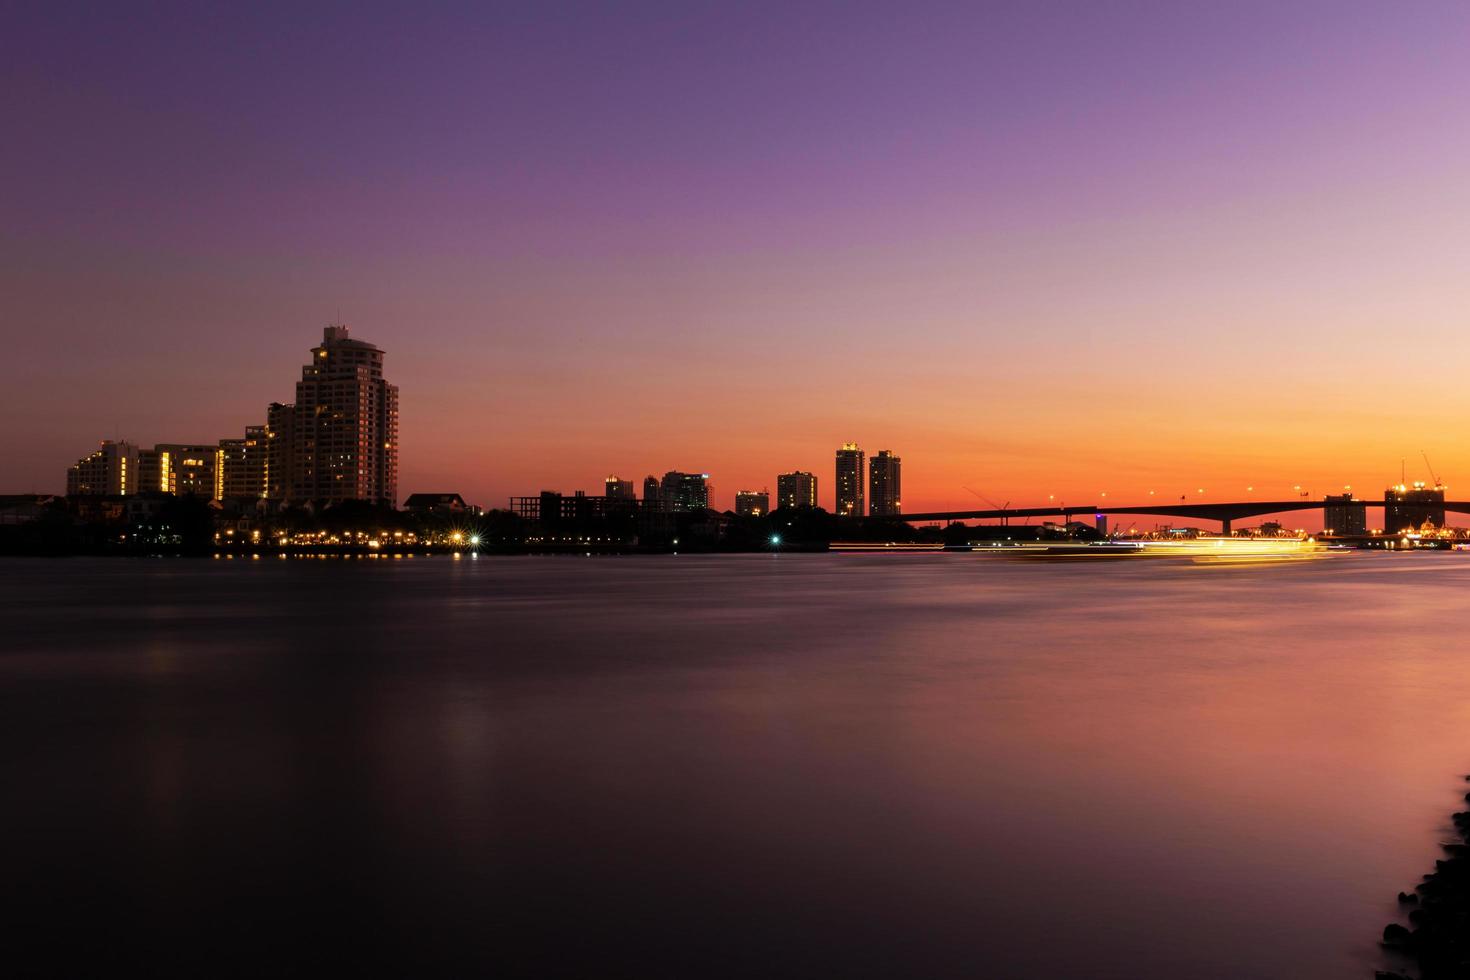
point(1437, 939)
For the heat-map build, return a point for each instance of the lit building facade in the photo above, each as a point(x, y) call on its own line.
point(240, 465)
point(109, 470)
point(752, 503)
point(180, 468)
point(850, 481)
point(684, 493)
point(1408, 508)
point(339, 440)
point(618, 489)
point(796, 489)
point(1341, 514)
point(885, 485)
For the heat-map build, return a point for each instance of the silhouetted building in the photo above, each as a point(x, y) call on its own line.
point(850, 481)
point(752, 503)
point(885, 485)
point(280, 435)
point(653, 495)
point(796, 489)
point(619, 489)
point(22, 508)
point(343, 428)
point(109, 470)
point(1342, 514)
point(1408, 508)
point(435, 503)
point(550, 508)
point(685, 493)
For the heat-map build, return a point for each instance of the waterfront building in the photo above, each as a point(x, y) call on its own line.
point(1408, 508)
point(619, 489)
point(240, 465)
point(684, 493)
point(752, 503)
point(435, 503)
point(179, 468)
point(280, 433)
point(550, 507)
point(796, 489)
point(339, 439)
point(653, 495)
point(1343, 514)
point(109, 470)
point(885, 485)
point(850, 481)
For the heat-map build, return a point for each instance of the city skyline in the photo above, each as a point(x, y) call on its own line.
point(1155, 265)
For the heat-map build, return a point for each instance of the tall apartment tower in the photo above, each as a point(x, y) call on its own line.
point(280, 433)
point(109, 470)
point(885, 485)
point(653, 494)
point(619, 489)
point(339, 441)
point(850, 481)
point(685, 493)
point(1344, 514)
point(796, 489)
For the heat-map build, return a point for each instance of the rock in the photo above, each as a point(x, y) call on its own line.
point(1396, 935)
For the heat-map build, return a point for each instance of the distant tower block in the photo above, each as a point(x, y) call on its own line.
point(850, 497)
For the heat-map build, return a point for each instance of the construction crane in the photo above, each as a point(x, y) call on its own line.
point(1433, 475)
point(1004, 522)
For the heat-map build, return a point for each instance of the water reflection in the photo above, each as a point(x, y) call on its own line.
point(788, 765)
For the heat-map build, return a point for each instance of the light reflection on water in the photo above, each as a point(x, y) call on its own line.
point(775, 765)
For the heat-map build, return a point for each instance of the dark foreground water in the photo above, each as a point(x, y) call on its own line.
point(746, 766)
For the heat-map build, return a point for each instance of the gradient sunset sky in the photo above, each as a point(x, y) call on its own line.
point(1035, 248)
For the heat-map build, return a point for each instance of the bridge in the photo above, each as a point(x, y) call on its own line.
point(1225, 513)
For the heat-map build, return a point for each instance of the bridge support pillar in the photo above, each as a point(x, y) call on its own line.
point(1225, 527)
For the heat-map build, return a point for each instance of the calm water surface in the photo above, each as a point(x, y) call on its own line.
point(724, 766)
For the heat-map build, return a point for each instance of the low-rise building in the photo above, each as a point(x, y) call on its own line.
point(752, 503)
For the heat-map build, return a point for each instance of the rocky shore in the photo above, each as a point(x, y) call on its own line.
point(1437, 938)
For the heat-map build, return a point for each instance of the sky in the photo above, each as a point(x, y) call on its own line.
point(1037, 249)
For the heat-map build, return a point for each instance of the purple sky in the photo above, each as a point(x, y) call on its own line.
point(1200, 243)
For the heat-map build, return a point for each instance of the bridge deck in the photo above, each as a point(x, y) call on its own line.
point(1206, 511)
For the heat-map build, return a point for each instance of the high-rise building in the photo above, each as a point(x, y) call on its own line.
point(685, 492)
point(1408, 508)
point(796, 489)
point(109, 470)
point(1342, 514)
point(280, 434)
point(653, 495)
point(240, 466)
point(885, 485)
point(343, 427)
point(752, 503)
point(619, 489)
point(850, 481)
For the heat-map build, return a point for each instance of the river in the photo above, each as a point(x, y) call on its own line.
point(762, 765)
